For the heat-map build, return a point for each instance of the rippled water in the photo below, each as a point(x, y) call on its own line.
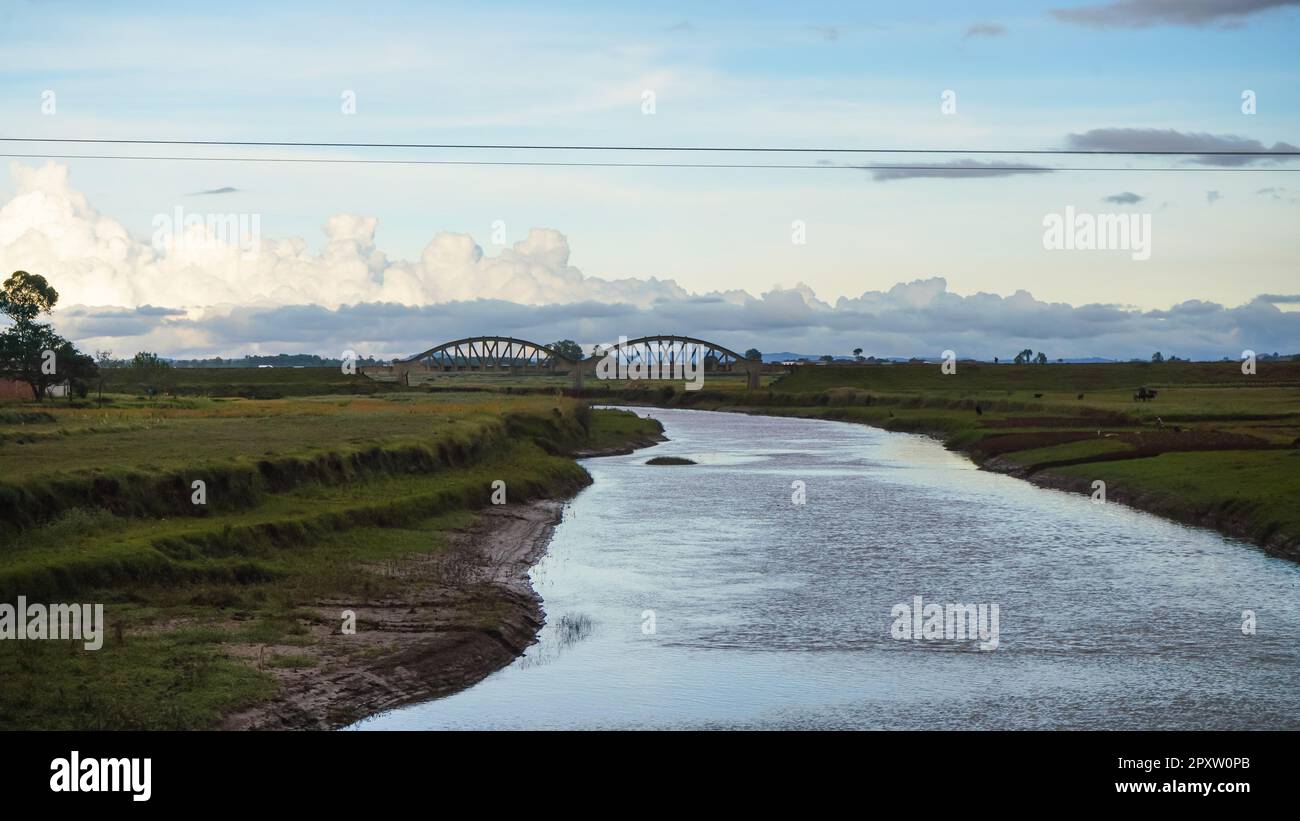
point(769, 614)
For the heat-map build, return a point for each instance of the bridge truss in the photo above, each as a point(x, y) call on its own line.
point(663, 354)
point(491, 353)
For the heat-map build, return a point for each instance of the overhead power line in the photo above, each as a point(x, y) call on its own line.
point(945, 169)
point(666, 148)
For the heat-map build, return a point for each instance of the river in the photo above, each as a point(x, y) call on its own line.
point(704, 596)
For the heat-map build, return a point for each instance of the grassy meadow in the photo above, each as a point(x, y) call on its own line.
point(309, 498)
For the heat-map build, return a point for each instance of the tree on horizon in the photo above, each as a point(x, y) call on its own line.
point(30, 351)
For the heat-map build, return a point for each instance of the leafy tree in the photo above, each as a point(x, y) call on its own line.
point(103, 361)
point(857, 353)
point(150, 371)
point(568, 349)
point(78, 368)
point(753, 353)
point(26, 296)
point(827, 358)
point(1157, 357)
point(1024, 357)
point(31, 351)
point(23, 356)
point(1041, 359)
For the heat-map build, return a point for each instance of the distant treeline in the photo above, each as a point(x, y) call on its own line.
point(281, 360)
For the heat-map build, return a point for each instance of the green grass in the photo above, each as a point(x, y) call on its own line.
point(1056, 382)
point(166, 682)
point(331, 496)
point(1071, 450)
point(1258, 488)
point(611, 428)
point(251, 383)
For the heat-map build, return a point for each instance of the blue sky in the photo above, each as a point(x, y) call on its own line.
point(735, 74)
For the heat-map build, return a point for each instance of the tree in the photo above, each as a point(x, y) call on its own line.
point(753, 353)
point(827, 358)
point(1024, 357)
point(150, 371)
point(78, 368)
point(1041, 359)
point(857, 354)
point(1157, 357)
point(26, 296)
point(568, 349)
point(103, 360)
point(30, 350)
point(29, 353)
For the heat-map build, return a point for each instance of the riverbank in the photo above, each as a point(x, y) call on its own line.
point(428, 637)
point(282, 563)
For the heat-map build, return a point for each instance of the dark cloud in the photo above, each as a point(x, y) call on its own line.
point(1145, 13)
point(223, 190)
point(919, 318)
point(1125, 198)
point(953, 168)
point(985, 30)
point(1167, 139)
point(1280, 299)
point(117, 322)
point(1277, 192)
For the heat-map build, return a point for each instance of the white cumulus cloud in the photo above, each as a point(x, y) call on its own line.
point(50, 228)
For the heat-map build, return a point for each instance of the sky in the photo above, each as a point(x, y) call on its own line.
point(390, 259)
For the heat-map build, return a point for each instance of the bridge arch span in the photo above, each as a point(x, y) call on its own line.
point(486, 352)
point(508, 354)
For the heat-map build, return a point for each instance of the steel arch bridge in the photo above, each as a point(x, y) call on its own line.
point(487, 353)
point(661, 356)
point(661, 350)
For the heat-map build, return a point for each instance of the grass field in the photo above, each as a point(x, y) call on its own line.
point(318, 484)
point(307, 499)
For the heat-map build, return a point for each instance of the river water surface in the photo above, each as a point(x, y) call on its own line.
point(772, 614)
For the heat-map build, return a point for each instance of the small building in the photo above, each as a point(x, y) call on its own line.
point(13, 389)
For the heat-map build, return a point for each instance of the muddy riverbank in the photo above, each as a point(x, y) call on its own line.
point(443, 632)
